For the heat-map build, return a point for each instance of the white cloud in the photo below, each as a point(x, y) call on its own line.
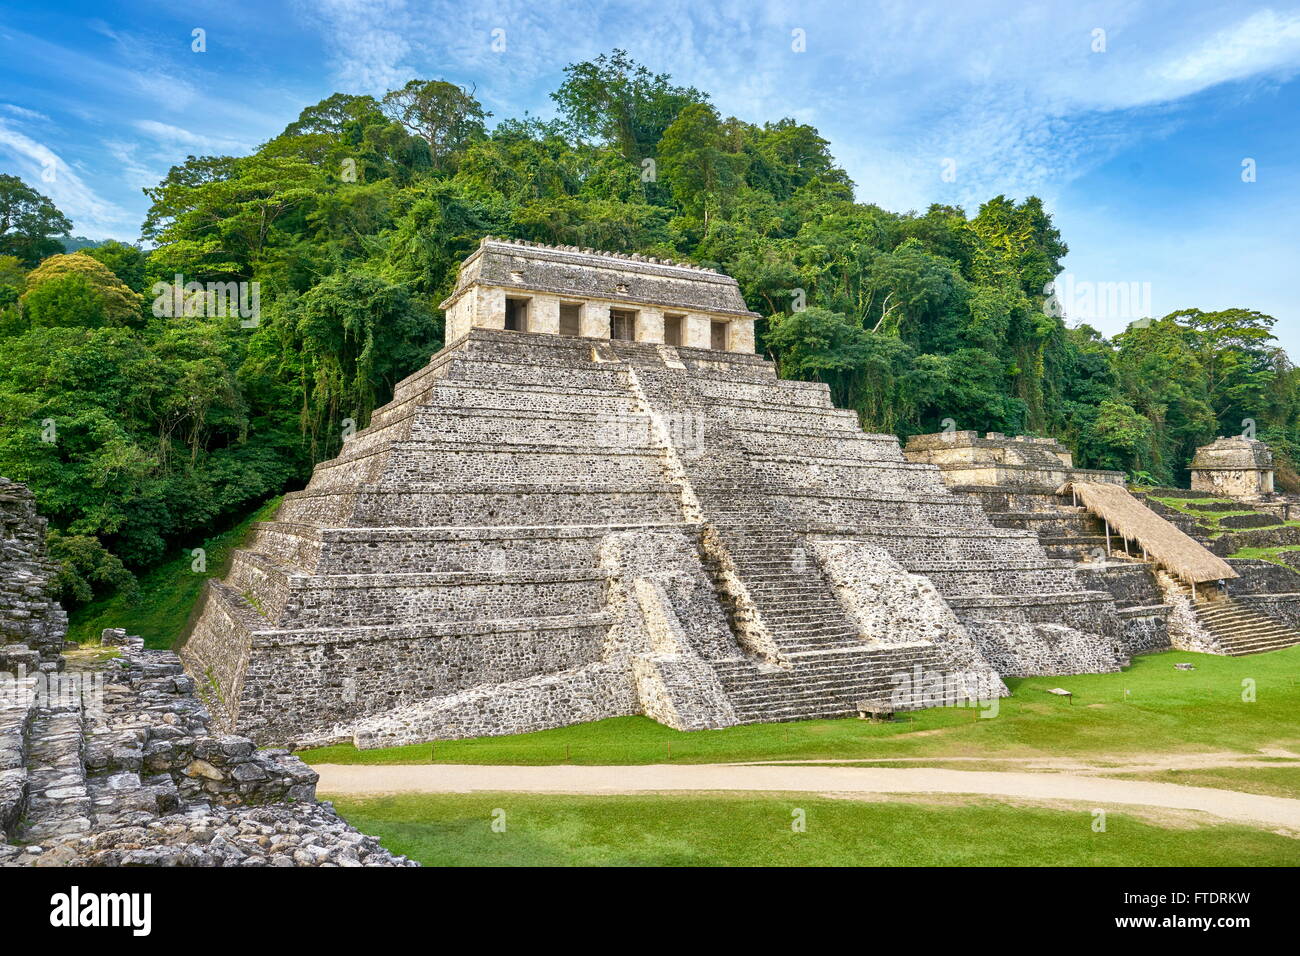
point(176, 138)
point(23, 113)
point(1263, 42)
point(368, 41)
point(46, 172)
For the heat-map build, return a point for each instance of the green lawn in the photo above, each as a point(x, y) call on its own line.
point(1165, 711)
point(167, 593)
point(748, 830)
point(1212, 521)
point(1272, 555)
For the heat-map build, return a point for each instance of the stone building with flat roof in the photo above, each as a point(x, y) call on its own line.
point(563, 290)
point(1236, 467)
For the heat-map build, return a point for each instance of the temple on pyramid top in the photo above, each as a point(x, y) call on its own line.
point(564, 290)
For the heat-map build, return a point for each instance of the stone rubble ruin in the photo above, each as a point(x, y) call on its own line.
point(106, 756)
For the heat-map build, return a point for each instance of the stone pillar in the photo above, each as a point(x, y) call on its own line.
point(740, 336)
point(460, 317)
point(490, 309)
point(650, 325)
point(544, 314)
point(698, 331)
point(594, 321)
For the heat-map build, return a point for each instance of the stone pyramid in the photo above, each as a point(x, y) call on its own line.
point(541, 529)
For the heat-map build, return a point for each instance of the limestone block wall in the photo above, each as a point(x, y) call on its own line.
point(32, 624)
point(1233, 484)
point(544, 314)
point(650, 326)
point(550, 700)
point(697, 331)
point(1023, 650)
point(593, 320)
point(1140, 600)
point(668, 622)
point(1146, 629)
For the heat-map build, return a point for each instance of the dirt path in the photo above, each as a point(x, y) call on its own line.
point(1130, 763)
point(352, 780)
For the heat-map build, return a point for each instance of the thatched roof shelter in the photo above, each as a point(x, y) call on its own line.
point(1170, 548)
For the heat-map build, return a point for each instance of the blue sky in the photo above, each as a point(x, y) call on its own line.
point(1135, 136)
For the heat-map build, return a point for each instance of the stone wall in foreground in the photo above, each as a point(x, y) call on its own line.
point(32, 624)
point(112, 763)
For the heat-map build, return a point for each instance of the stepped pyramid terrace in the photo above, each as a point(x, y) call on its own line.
point(598, 501)
point(1174, 584)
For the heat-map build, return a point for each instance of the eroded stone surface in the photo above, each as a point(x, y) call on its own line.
point(32, 624)
point(129, 773)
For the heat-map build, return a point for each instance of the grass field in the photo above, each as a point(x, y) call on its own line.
point(748, 830)
point(167, 593)
point(1164, 711)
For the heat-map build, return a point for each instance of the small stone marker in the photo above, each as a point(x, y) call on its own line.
point(875, 710)
point(1062, 692)
point(1185, 667)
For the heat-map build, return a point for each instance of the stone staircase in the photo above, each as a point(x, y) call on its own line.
point(1239, 630)
point(83, 766)
point(58, 800)
point(822, 684)
point(822, 665)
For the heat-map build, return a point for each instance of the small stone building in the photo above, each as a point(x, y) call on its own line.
point(1233, 467)
point(564, 290)
point(996, 460)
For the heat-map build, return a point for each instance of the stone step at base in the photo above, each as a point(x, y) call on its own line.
point(1260, 648)
point(1240, 630)
point(818, 685)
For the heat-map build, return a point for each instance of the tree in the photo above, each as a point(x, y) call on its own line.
point(342, 346)
point(444, 115)
point(75, 289)
point(1118, 438)
point(127, 262)
point(29, 222)
point(693, 158)
point(617, 100)
point(1019, 244)
point(215, 217)
point(13, 278)
point(916, 295)
point(1240, 362)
